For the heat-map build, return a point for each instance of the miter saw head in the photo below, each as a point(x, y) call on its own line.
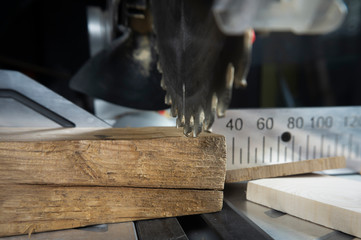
point(199, 63)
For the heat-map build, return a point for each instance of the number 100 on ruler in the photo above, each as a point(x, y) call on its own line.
point(270, 136)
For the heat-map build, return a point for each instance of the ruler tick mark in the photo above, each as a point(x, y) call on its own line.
point(299, 153)
point(240, 155)
point(285, 154)
point(307, 144)
point(336, 144)
point(278, 149)
point(263, 144)
point(249, 141)
point(293, 149)
point(233, 150)
point(321, 146)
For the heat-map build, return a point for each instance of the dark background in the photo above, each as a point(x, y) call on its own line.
point(48, 41)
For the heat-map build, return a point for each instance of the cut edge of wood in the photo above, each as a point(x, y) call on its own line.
point(284, 169)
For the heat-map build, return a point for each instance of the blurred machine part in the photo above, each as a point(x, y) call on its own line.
point(299, 16)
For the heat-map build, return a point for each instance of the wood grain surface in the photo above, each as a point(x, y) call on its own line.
point(110, 157)
point(284, 169)
point(333, 202)
point(37, 208)
point(64, 178)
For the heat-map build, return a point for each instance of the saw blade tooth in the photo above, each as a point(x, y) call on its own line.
point(180, 121)
point(198, 125)
point(187, 130)
point(191, 121)
point(229, 76)
point(214, 103)
point(174, 110)
point(159, 67)
point(221, 109)
point(167, 99)
point(208, 122)
point(243, 83)
point(162, 84)
point(156, 48)
point(201, 116)
point(196, 130)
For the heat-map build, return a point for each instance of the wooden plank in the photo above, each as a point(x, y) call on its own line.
point(64, 178)
point(333, 202)
point(144, 157)
point(37, 208)
point(114, 231)
point(284, 169)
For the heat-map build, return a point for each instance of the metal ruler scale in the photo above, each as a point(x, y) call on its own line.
point(257, 137)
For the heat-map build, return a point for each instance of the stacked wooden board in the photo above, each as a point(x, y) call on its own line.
point(64, 178)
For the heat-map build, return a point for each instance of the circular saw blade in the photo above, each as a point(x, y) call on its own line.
point(198, 62)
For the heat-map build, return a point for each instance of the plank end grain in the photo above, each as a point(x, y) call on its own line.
point(65, 178)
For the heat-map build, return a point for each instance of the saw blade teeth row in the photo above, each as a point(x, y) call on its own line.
point(193, 125)
point(194, 122)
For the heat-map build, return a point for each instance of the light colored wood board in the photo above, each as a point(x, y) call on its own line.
point(110, 157)
point(333, 202)
point(115, 231)
point(36, 208)
point(284, 169)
